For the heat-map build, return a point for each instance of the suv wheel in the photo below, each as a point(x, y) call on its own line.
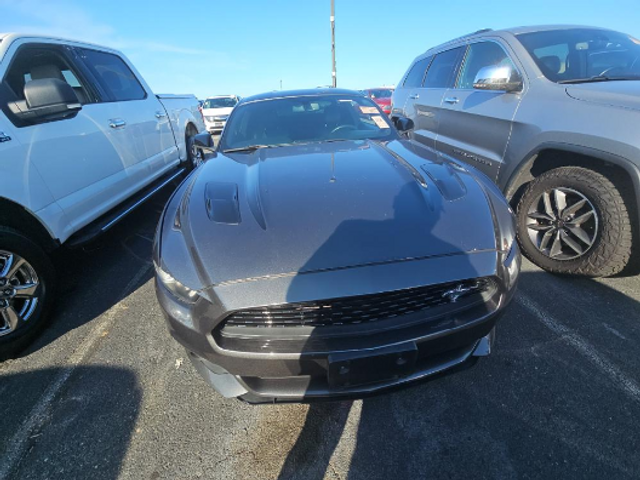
point(572, 220)
point(26, 291)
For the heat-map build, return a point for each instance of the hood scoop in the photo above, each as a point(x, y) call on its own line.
point(221, 202)
point(446, 179)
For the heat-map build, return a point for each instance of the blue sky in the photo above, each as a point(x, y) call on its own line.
point(248, 46)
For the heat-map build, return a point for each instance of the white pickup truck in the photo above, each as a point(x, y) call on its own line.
point(83, 141)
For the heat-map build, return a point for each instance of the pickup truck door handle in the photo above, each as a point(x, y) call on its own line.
point(451, 100)
point(414, 96)
point(117, 123)
point(160, 115)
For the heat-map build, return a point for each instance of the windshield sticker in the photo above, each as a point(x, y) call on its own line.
point(369, 110)
point(379, 121)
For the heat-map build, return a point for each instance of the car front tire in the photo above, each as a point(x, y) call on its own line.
point(574, 221)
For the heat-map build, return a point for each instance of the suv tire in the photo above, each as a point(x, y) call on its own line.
point(37, 270)
point(573, 220)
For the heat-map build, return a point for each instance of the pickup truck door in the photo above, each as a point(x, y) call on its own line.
point(476, 124)
point(82, 160)
point(141, 119)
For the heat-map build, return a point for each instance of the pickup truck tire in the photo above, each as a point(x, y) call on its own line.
point(195, 156)
point(27, 280)
point(572, 220)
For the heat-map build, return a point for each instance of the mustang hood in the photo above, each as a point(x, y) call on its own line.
point(624, 94)
point(329, 206)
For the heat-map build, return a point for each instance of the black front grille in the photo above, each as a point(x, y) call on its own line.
point(359, 309)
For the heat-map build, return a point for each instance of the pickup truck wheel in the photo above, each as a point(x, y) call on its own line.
point(572, 220)
point(195, 155)
point(26, 291)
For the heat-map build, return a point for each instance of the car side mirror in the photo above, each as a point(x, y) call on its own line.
point(46, 99)
point(504, 78)
point(403, 124)
point(204, 142)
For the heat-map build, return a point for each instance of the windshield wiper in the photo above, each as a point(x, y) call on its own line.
point(598, 78)
point(250, 148)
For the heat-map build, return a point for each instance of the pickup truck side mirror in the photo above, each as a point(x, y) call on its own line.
point(403, 124)
point(46, 99)
point(204, 142)
point(504, 78)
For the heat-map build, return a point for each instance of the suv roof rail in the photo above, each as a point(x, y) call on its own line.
point(482, 30)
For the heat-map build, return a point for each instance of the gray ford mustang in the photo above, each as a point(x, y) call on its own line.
point(320, 254)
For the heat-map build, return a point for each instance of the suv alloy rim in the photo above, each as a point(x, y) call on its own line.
point(562, 223)
point(19, 292)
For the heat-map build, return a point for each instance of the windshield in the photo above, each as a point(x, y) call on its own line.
point(381, 93)
point(226, 102)
point(296, 120)
point(580, 54)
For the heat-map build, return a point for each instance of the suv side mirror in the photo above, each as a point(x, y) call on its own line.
point(403, 124)
point(46, 99)
point(503, 78)
point(204, 142)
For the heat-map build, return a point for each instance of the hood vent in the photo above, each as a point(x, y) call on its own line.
point(221, 201)
point(446, 179)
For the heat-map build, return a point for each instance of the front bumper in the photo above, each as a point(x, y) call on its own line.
point(271, 373)
point(215, 127)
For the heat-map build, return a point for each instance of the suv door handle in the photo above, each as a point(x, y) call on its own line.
point(451, 100)
point(117, 123)
point(414, 96)
point(160, 115)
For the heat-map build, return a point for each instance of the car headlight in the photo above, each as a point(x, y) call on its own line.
point(181, 291)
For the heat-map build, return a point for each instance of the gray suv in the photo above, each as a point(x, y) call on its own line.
point(551, 115)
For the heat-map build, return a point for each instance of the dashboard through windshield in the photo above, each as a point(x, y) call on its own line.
point(298, 120)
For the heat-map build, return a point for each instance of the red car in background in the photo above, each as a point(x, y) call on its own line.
point(382, 96)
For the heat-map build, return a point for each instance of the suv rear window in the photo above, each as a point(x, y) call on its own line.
point(115, 77)
point(444, 69)
point(416, 74)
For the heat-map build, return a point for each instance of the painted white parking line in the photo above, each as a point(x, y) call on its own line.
point(41, 411)
point(628, 385)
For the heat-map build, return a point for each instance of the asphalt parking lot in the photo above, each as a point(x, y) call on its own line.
point(105, 393)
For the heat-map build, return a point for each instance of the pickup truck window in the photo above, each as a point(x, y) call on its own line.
point(35, 62)
point(115, 77)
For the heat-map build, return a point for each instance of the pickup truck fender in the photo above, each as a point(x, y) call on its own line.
point(181, 118)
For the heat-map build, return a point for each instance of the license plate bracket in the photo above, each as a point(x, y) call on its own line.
point(360, 368)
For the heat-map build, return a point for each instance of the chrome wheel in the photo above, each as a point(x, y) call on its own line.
point(562, 223)
point(197, 156)
point(19, 292)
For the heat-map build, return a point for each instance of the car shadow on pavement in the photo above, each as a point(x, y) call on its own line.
point(80, 427)
point(94, 278)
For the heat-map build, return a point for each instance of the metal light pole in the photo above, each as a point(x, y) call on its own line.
point(334, 79)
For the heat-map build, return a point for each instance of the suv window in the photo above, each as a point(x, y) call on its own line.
point(444, 69)
point(416, 74)
point(114, 76)
point(34, 62)
point(480, 55)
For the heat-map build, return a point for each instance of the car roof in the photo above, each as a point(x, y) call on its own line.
point(309, 92)
point(487, 32)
